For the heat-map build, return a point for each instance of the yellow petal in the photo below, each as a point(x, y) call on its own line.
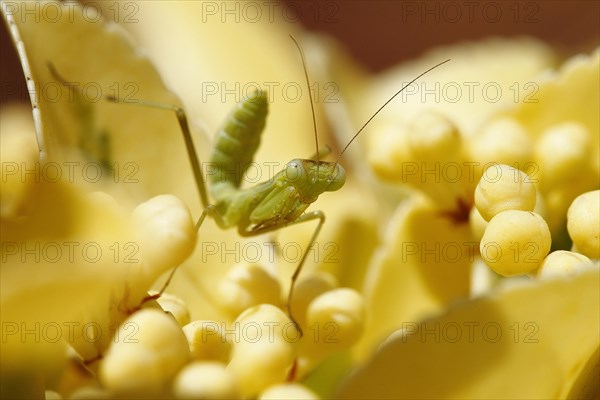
point(423, 266)
point(492, 347)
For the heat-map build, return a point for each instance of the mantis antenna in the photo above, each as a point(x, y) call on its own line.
point(385, 104)
point(312, 106)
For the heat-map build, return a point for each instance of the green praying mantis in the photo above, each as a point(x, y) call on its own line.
point(271, 205)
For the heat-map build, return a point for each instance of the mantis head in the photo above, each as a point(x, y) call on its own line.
point(311, 178)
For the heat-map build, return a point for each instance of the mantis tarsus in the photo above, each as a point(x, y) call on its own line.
point(279, 202)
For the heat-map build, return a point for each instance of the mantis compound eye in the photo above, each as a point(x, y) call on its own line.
point(295, 172)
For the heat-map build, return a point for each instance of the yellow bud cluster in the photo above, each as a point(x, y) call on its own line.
point(515, 240)
point(256, 355)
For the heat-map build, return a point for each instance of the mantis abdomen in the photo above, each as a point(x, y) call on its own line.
point(235, 145)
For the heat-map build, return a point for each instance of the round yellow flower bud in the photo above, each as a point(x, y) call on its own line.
point(501, 141)
point(562, 153)
point(165, 233)
point(432, 137)
point(263, 348)
point(335, 319)
point(502, 188)
point(248, 285)
point(146, 352)
point(515, 242)
point(307, 289)
point(562, 263)
point(583, 223)
point(288, 391)
point(205, 380)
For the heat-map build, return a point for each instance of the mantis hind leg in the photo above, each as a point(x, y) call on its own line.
point(303, 218)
